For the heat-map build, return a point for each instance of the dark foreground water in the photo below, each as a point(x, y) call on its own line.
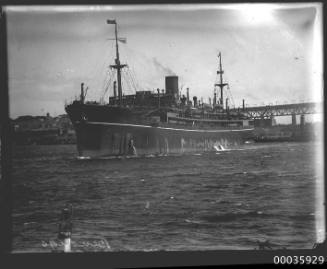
point(223, 200)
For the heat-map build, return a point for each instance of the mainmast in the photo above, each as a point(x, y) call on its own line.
point(221, 83)
point(117, 64)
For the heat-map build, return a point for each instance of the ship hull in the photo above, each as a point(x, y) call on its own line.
point(98, 139)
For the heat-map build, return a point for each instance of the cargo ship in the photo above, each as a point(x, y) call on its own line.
point(158, 122)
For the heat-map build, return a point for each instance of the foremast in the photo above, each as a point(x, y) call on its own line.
point(118, 66)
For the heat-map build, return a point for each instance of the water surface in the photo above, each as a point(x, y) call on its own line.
point(223, 200)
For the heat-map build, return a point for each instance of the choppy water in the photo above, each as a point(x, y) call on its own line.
point(223, 200)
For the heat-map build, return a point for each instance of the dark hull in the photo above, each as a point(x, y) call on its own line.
point(96, 139)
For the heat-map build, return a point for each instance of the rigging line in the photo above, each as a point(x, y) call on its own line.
point(230, 93)
point(126, 86)
point(106, 78)
point(129, 78)
point(128, 81)
point(122, 58)
point(104, 81)
point(105, 92)
point(107, 84)
point(102, 94)
point(96, 69)
point(135, 78)
point(107, 56)
point(136, 83)
point(134, 89)
point(125, 80)
point(133, 82)
point(107, 88)
point(131, 70)
point(97, 84)
point(104, 88)
point(110, 80)
point(102, 70)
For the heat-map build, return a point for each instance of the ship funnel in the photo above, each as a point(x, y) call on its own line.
point(172, 86)
point(187, 95)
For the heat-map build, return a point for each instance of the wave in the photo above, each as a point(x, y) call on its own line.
point(302, 217)
point(193, 221)
point(233, 216)
point(227, 217)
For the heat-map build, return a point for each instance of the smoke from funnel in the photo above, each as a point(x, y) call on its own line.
point(163, 69)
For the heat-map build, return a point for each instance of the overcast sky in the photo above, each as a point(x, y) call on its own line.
point(270, 52)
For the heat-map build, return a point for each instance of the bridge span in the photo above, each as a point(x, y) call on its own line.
point(270, 111)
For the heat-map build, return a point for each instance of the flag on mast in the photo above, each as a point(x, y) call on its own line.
point(122, 40)
point(111, 21)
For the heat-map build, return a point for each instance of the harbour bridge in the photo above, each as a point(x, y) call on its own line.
point(262, 114)
point(270, 111)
